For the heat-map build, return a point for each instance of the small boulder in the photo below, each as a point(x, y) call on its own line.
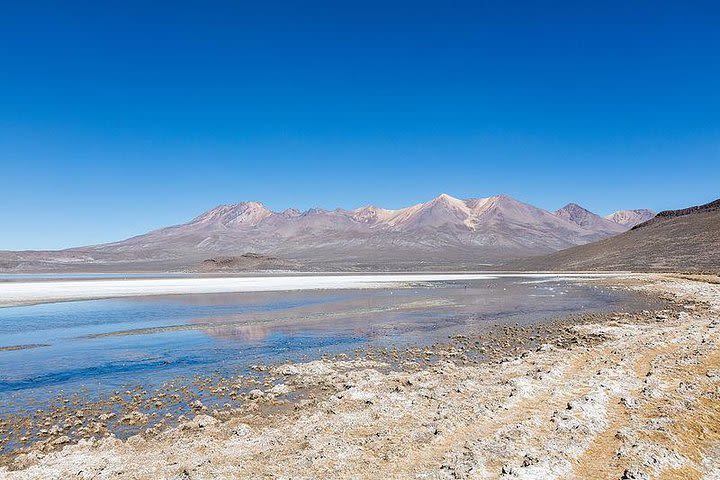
point(135, 418)
point(631, 474)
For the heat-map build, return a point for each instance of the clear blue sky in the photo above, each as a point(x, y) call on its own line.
point(120, 117)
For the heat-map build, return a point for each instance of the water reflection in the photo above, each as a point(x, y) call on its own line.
point(105, 344)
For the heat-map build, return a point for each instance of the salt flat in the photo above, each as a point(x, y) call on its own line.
point(25, 292)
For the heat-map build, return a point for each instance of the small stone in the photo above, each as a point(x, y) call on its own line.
point(280, 389)
point(629, 402)
point(634, 475)
point(135, 418)
point(60, 441)
point(203, 421)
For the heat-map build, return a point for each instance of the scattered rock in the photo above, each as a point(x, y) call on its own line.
point(280, 389)
point(256, 394)
point(634, 475)
point(629, 402)
point(60, 441)
point(135, 418)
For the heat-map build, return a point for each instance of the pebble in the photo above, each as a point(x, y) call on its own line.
point(634, 475)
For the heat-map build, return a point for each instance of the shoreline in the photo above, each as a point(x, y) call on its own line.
point(560, 407)
point(25, 293)
point(481, 343)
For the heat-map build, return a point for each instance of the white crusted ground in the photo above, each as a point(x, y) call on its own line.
point(44, 291)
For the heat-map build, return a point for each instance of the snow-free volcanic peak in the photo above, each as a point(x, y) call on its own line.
point(444, 233)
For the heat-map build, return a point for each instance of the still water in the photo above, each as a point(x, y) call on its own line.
point(102, 345)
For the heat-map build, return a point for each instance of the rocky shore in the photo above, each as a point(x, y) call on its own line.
point(623, 395)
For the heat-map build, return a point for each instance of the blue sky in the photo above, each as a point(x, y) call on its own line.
point(120, 117)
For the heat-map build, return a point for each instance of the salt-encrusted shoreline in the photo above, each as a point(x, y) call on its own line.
point(631, 396)
point(24, 292)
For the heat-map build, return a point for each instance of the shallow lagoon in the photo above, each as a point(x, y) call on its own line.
point(98, 346)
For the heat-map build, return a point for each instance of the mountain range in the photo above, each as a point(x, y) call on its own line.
point(445, 232)
point(686, 240)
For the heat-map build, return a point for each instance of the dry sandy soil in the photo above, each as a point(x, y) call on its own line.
point(642, 403)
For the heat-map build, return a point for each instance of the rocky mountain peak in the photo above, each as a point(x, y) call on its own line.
point(243, 213)
point(630, 218)
point(291, 213)
point(577, 214)
point(583, 217)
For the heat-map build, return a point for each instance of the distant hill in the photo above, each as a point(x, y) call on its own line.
point(630, 218)
point(244, 263)
point(443, 233)
point(674, 240)
point(587, 219)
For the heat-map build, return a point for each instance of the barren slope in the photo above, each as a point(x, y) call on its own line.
point(675, 240)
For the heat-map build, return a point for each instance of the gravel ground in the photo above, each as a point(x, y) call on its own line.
point(619, 396)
